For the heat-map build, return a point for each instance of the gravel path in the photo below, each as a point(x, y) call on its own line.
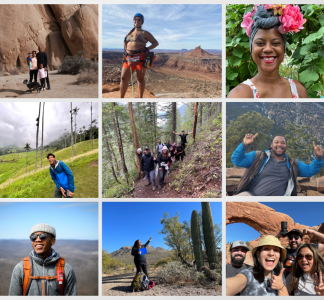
point(119, 285)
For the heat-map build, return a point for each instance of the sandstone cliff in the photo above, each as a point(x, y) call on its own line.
point(61, 30)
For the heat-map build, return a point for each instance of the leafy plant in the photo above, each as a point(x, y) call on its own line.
point(304, 56)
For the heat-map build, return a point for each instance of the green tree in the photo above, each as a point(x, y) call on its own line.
point(248, 123)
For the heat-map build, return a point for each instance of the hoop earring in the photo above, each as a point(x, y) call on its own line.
point(249, 66)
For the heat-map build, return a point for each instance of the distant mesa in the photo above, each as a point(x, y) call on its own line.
point(198, 52)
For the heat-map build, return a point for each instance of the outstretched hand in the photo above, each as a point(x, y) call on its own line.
point(249, 138)
point(276, 281)
point(318, 149)
point(150, 237)
point(319, 288)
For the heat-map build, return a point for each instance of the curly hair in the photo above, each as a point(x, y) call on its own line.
point(296, 271)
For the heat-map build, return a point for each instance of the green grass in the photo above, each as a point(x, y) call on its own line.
point(41, 185)
point(11, 170)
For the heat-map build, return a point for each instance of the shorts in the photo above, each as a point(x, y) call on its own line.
point(138, 67)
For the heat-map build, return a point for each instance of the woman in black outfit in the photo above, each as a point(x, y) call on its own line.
point(140, 260)
point(163, 159)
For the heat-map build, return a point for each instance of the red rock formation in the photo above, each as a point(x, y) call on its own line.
point(198, 52)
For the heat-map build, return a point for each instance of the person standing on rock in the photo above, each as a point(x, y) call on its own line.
point(147, 166)
point(272, 172)
point(44, 272)
point(62, 177)
point(42, 60)
point(34, 68)
point(163, 161)
point(140, 259)
point(135, 51)
point(183, 137)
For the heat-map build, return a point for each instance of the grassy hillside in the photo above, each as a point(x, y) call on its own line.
point(15, 183)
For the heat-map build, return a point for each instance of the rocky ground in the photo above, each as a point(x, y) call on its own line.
point(62, 86)
point(167, 85)
point(119, 285)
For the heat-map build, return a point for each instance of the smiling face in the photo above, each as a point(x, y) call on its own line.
point(238, 255)
point(268, 49)
point(268, 257)
point(43, 248)
point(294, 241)
point(306, 264)
point(279, 146)
point(139, 244)
point(51, 159)
point(138, 22)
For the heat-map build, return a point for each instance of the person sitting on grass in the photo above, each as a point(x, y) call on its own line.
point(36, 275)
point(140, 260)
point(62, 177)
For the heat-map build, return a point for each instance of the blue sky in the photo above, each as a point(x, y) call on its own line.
point(77, 220)
point(174, 26)
point(124, 223)
point(304, 213)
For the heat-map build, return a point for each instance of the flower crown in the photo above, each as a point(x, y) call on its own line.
point(289, 16)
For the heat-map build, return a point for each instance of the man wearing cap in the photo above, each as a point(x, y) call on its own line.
point(45, 265)
point(147, 166)
point(62, 177)
point(295, 241)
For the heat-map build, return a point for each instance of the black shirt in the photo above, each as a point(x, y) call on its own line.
point(179, 149)
point(41, 59)
point(183, 138)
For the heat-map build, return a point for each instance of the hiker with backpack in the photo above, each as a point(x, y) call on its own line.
point(147, 166)
point(62, 177)
point(139, 257)
point(137, 56)
point(163, 161)
point(44, 272)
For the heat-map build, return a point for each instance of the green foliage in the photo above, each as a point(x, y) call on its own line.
point(109, 263)
point(196, 239)
point(163, 261)
point(76, 64)
point(248, 123)
point(305, 50)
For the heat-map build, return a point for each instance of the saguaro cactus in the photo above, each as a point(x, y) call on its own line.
point(196, 239)
point(209, 236)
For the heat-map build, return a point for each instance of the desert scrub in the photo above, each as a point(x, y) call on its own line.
point(76, 64)
point(163, 261)
point(87, 77)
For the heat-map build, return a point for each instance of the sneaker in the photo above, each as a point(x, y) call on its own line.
point(159, 187)
point(154, 188)
point(44, 89)
point(48, 87)
point(144, 178)
point(148, 183)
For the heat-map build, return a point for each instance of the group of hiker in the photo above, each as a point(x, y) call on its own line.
point(277, 271)
point(166, 154)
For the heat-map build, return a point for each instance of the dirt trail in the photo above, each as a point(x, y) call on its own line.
point(62, 86)
point(119, 285)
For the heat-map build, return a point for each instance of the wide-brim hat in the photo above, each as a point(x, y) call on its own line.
point(271, 240)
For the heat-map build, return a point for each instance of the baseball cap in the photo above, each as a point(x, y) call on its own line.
point(239, 244)
point(146, 148)
point(294, 231)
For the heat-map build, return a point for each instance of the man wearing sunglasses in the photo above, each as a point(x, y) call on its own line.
point(44, 272)
point(295, 241)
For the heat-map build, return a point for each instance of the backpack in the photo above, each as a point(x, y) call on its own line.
point(140, 283)
point(28, 275)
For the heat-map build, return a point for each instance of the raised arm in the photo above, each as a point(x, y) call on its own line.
point(315, 166)
point(318, 235)
point(175, 133)
point(235, 285)
point(146, 244)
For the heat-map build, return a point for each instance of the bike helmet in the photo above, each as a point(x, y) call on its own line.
point(140, 16)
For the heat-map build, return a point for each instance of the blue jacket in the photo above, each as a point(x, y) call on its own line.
point(241, 159)
point(62, 176)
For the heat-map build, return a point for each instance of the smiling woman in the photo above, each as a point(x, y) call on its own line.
point(267, 27)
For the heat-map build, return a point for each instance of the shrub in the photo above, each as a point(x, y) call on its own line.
point(305, 50)
point(76, 64)
point(15, 71)
point(89, 76)
point(163, 261)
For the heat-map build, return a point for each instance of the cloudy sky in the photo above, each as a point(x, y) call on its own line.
point(174, 26)
point(18, 121)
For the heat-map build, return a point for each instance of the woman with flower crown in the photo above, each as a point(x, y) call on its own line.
point(267, 27)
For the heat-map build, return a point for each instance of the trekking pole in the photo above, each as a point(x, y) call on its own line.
point(132, 81)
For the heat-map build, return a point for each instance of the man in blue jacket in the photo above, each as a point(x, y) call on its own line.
point(272, 172)
point(62, 177)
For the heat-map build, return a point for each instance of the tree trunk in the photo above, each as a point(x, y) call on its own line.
point(37, 131)
point(91, 135)
point(200, 114)
point(208, 110)
point(135, 137)
point(195, 120)
point(112, 151)
point(71, 130)
point(173, 121)
point(152, 122)
point(155, 122)
point(219, 104)
point(109, 156)
point(42, 135)
point(119, 140)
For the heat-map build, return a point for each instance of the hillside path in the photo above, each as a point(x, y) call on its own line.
point(119, 285)
point(62, 86)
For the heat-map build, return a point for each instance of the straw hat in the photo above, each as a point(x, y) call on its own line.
point(271, 240)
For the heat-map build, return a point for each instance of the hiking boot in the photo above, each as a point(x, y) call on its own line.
point(154, 188)
point(147, 183)
point(159, 187)
point(48, 87)
point(144, 178)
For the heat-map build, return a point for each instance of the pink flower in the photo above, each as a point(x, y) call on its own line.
point(267, 6)
point(247, 23)
point(291, 19)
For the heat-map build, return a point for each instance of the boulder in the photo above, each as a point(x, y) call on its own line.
point(311, 185)
point(234, 172)
point(314, 193)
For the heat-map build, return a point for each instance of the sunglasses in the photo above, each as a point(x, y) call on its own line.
point(41, 236)
point(309, 257)
point(291, 237)
point(137, 19)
